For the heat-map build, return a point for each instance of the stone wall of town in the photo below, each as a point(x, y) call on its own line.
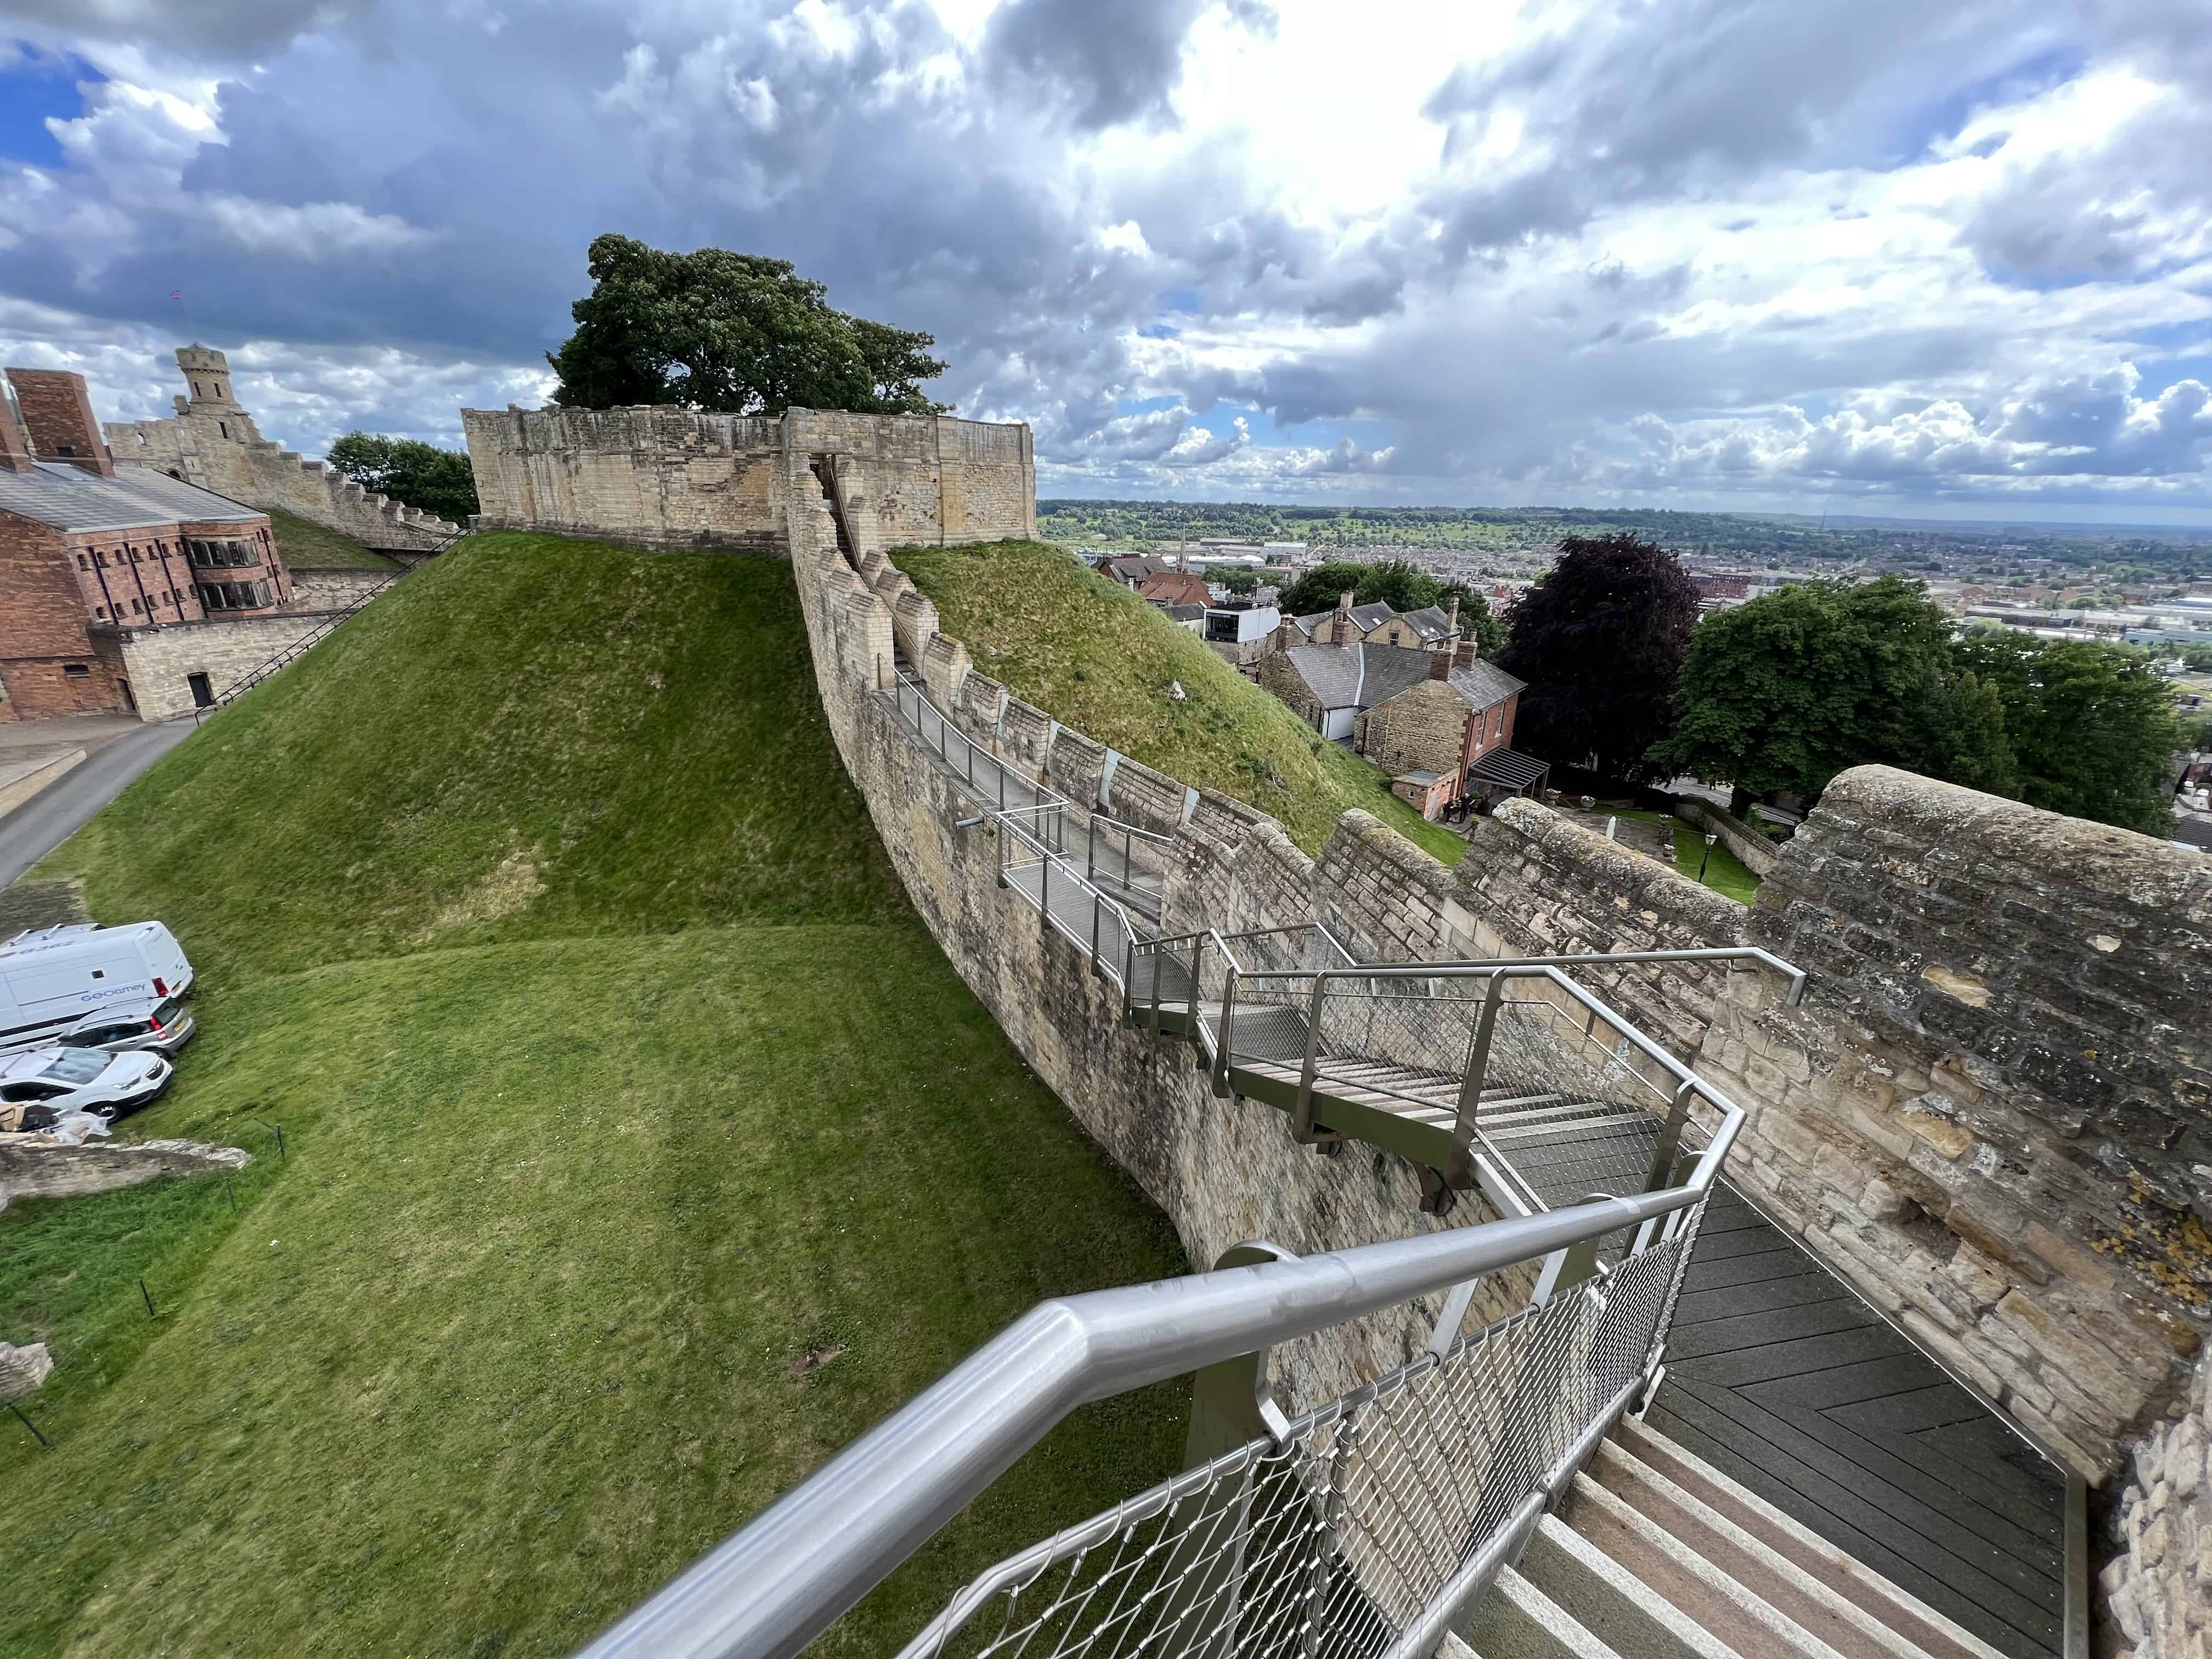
point(669, 477)
point(159, 661)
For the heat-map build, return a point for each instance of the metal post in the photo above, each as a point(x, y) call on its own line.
point(1462, 1170)
point(1228, 1024)
point(1702, 862)
point(1302, 1123)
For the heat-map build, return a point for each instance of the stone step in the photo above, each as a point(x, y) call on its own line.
point(1923, 1629)
point(1692, 1584)
point(1610, 1602)
point(1516, 1620)
point(1842, 1624)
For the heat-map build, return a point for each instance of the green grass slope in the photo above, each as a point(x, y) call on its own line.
point(1094, 656)
point(306, 545)
point(641, 1148)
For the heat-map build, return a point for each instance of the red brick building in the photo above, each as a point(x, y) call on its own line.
point(87, 556)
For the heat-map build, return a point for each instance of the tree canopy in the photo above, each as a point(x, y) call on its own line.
point(423, 476)
point(2091, 727)
point(1600, 640)
point(734, 333)
point(1786, 691)
point(1398, 584)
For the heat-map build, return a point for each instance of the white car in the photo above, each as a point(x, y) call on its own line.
point(84, 1080)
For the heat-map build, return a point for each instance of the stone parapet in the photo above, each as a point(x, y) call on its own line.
point(663, 476)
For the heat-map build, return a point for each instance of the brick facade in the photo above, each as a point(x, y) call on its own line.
point(88, 553)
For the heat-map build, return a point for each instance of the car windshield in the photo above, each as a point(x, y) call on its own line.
point(81, 1066)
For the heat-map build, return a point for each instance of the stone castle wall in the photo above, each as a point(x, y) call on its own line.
point(159, 661)
point(1986, 1116)
point(669, 477)
point(1991, 1113)
point(217, 448)
point(1223, 1172)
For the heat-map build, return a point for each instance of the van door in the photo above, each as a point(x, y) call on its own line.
point(83, 983)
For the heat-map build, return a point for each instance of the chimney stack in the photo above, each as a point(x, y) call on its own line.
point(58, 413)
point(1469, 649)
point(1341, 628)
point(1440, 663)
point(15, 442)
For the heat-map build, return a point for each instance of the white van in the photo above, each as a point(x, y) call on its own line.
point(52, 977)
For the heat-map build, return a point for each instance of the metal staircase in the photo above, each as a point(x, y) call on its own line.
point(1495, 1496)
point(1508, 1076)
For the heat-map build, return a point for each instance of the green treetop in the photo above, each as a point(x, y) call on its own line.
point(734, 333)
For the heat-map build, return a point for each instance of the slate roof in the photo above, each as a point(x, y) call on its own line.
point(1186, 613)
point(1486, 684)
point(1358, 676)
point(1367, 617)
point(1482, 685)
point(1311, 626)
point(65, 497)
point(1429, 621)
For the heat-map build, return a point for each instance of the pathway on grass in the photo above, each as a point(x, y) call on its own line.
point(1782, 1377)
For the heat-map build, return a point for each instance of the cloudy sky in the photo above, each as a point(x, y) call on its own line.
point(1933, 258)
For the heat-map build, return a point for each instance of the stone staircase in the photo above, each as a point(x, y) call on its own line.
point(1654, 1554)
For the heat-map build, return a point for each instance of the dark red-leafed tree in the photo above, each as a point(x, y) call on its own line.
point(1600, 640)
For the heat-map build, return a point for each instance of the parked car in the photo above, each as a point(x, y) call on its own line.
point(84, 1080)
point(164, 1026)
point(54, 978)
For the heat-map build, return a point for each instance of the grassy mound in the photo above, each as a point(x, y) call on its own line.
point(641, 1148)
point(1094, 656)
point(305, 545)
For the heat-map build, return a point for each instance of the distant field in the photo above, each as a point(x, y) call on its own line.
point(305, 545)
point(642, 1147)
point(1095, 656)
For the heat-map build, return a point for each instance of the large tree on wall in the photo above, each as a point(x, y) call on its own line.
point(1600, 640)
point(734, 333)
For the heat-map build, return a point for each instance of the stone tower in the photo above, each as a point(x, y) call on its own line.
point(207, 372)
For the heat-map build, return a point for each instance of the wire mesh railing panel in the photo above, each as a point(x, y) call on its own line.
point(1335, 1542)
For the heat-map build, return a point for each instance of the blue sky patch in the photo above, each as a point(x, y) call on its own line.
point(33, 88)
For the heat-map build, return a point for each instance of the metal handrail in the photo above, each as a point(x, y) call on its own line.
point(782, 1581)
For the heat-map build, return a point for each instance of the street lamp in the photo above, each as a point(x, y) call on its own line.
point(1702, 862)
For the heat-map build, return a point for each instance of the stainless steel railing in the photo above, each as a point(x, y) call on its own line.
point(1543, 1384)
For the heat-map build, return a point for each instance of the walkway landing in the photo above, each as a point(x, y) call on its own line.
point(1780, 1377)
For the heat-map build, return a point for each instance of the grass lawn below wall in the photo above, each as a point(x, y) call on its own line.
point(1094, 656)
point(641, 1149)
point(305, 545)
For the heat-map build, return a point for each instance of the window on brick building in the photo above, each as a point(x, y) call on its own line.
point(136, 609)
point(100, 610)
point(77, 670)
point(83, 563)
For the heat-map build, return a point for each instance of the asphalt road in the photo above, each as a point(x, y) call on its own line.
point(65, 805)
